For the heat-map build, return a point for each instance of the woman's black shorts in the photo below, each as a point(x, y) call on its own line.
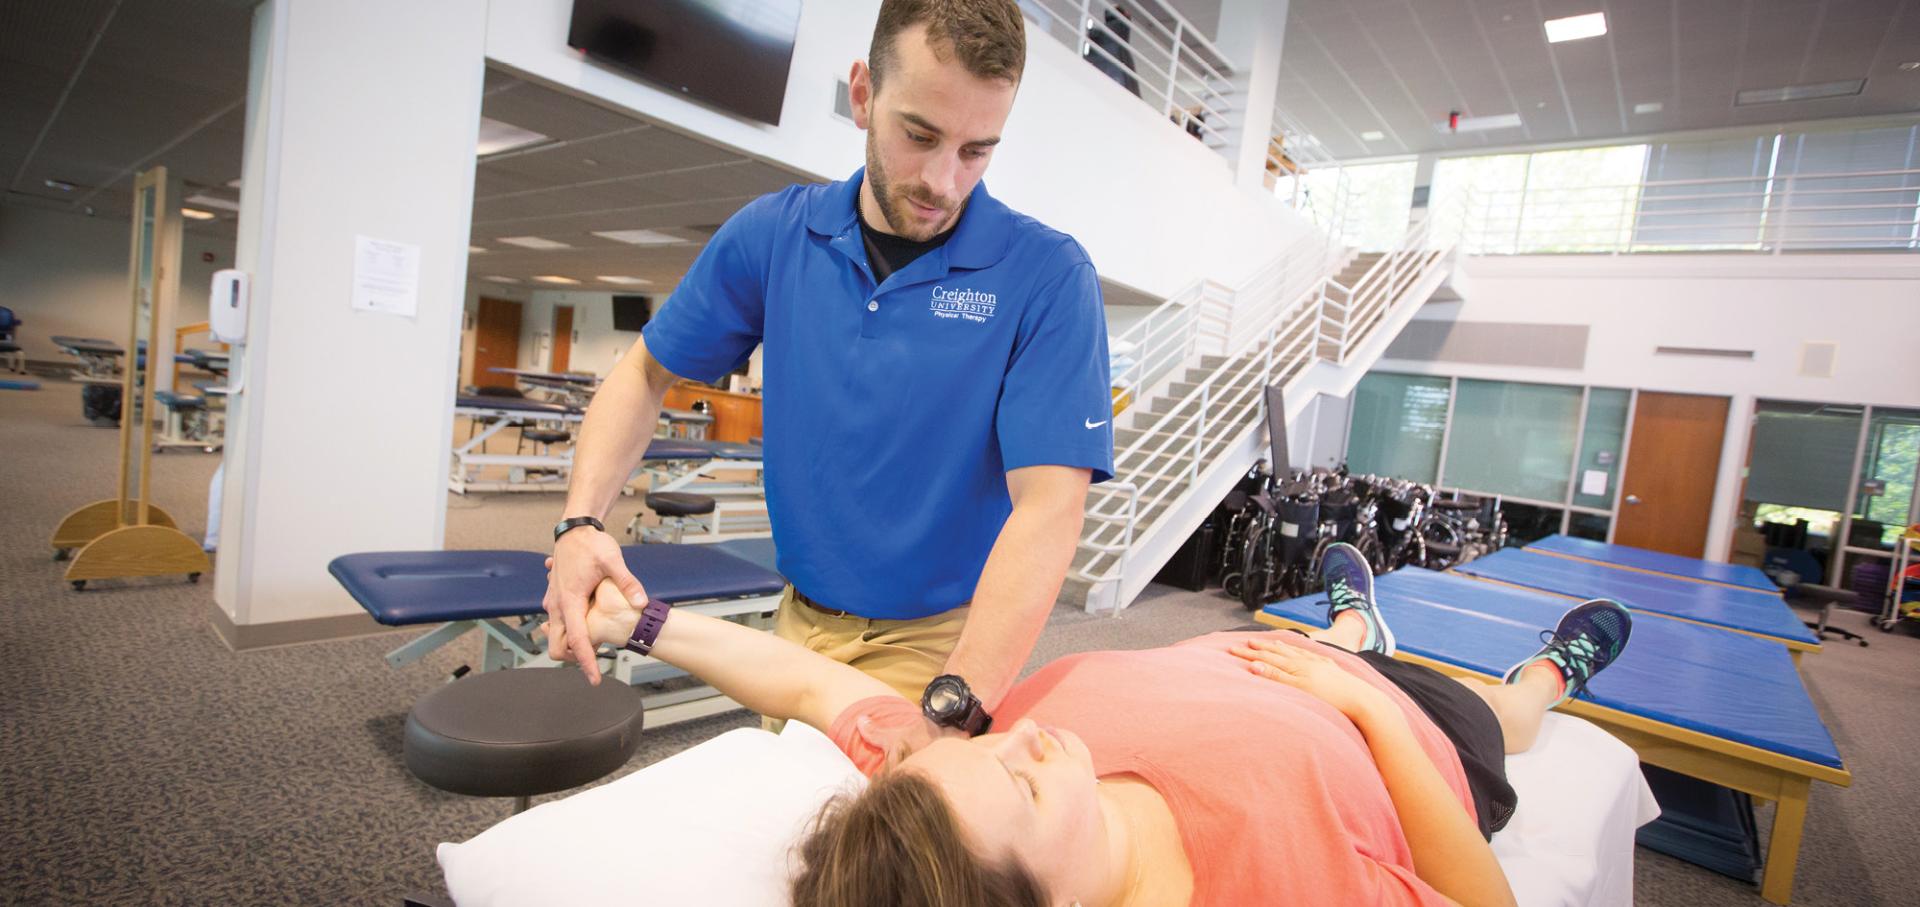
point(1467, 720)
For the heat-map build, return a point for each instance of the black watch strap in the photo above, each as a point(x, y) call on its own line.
point(571, 523)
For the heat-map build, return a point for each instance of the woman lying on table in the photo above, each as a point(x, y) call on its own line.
point(1234, 768)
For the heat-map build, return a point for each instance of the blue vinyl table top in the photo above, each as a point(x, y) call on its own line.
point(401, 588)
point(1656, 561)
point(1746, 610)
point(1726, 685)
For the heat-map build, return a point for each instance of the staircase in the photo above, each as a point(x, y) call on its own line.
point(1313, 322)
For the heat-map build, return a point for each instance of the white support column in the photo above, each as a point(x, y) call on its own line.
point(1729, 479)
point(361, 121)
point(1251, 34)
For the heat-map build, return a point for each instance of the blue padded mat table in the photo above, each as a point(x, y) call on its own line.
point(402, 588)
point(1660, 562)
point(1742, 610)
point(1727, 708)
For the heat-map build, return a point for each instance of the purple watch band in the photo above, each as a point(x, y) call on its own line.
point(652, 618)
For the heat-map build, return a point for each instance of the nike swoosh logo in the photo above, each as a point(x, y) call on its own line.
point(1093, 425)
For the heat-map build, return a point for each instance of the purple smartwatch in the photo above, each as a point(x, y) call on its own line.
point(652, 618)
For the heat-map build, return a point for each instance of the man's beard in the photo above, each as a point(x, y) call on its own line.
point(895, 208)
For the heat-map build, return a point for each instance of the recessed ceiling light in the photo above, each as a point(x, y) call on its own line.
point(476, 250)
point(1372, 135)
point(533, 242)
point(553, 278)
point(498, 279)
point(1910, 67)
point(1816, 91)
point(1649, 107)
point(61, 185)
point(196, 214)
point(1573, 28)
point(213, 201)
point(640, 237)
point(623, 281)
point(496, 137)
point(1480, 124)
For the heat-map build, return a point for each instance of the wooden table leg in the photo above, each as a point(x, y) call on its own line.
point(1783, 849)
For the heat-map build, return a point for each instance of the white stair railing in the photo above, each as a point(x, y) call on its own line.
point(1282, 316)
point(1350, 311)
point(1193, 322)
point(1283, 296)
point(1170, 64)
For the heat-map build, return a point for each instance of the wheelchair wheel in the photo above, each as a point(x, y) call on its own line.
point(1256, 569)
point(1371, 549)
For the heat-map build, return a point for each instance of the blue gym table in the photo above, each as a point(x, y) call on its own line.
point(1748, 611)
point(1628, 557)
point(1726, 708)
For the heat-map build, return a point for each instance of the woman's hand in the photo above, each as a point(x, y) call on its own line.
point(1304, 669)
point(610, 618)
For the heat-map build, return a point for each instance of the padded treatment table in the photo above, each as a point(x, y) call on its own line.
point(99, 359)
point(1630, 558)
point(500, 414)
point(1747, 611)
point(490, 590)
point(1726, 708)
point(730, 472)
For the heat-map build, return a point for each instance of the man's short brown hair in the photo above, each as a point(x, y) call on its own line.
point(988, 36)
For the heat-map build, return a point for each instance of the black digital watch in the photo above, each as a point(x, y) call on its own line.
point(948, 702)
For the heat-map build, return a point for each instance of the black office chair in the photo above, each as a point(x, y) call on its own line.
point(1824, 598)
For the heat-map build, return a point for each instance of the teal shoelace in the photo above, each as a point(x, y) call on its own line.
point(1575, 656)
point(1342, 595)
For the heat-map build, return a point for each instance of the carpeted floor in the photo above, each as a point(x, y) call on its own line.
point(142, 762)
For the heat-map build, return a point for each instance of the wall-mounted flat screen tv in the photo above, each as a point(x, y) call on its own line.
point(630, 313)
point(730, 54)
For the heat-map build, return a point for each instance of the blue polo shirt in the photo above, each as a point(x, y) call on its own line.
point(892, 413)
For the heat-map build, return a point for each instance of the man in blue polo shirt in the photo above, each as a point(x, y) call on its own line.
point(936, 388)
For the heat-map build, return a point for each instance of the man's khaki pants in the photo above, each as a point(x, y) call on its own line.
point(903, 654)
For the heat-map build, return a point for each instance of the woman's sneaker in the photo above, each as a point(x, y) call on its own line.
point(1590, 637)
point(1349, 584)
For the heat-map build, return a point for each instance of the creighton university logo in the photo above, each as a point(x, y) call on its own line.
point(971, 305)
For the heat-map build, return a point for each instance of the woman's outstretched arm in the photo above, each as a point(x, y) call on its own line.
point(761, 671)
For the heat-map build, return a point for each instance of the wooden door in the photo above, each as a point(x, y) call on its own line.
point(1666, 496)
point(562, 338)
point(496, 342)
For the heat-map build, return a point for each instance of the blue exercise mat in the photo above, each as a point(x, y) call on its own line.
point(1746, 610)
point(14, 385)
point(1657, 561)
point(1725, 685)
point(400, 588)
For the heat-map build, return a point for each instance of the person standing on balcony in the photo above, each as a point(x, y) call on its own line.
point(1108, 50)
point(937, 397)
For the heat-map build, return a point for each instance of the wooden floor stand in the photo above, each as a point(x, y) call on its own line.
point(138, 551)
point(95, 520)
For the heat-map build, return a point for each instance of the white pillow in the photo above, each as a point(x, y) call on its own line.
point(714, 824)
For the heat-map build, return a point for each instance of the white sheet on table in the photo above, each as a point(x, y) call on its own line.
point(1581, 798)
point(713, 825)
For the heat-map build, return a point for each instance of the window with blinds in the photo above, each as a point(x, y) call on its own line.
point(1802, 454)
point(1850, 190)
point(1398, 422)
